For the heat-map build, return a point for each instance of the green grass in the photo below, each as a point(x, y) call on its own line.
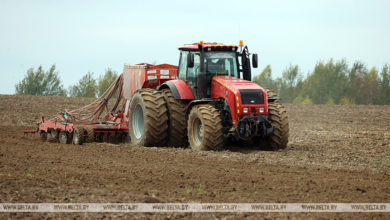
point(200, 189)
point(188, 190)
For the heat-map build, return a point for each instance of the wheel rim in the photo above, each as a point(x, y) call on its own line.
point(197, 131)
point(138, 122)
point(75, 137)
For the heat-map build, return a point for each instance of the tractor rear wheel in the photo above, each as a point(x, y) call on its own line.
point(205, 128)
point(78, 136)
point(177, 128)
point(278, 118)
point(148, 122)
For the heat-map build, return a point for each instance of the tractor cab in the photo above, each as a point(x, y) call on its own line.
point(200, 62)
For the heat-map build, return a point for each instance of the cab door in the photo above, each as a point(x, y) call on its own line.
point(189, 75)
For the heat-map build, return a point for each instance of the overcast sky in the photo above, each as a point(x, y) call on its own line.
point(82, 36)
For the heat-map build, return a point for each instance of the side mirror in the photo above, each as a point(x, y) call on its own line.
point(190, 60)
point(254, 60)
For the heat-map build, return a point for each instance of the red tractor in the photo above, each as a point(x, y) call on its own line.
point(206, 101)
point(211, 101)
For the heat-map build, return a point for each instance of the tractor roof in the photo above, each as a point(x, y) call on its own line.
point(195, 46)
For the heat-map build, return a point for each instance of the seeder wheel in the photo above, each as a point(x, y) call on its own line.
point(52, 135)
point(43, 135)
point(64, 137)
point(78, 136)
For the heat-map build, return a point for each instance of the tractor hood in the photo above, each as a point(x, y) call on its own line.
point(236, 84)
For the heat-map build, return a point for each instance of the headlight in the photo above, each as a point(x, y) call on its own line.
point(245, 110)
point(261, 110)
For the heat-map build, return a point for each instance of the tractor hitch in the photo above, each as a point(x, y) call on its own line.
point(251, 126)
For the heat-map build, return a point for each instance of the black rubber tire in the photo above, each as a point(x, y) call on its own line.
point(177, 126)
point(64, 137)
point(155, 118)
point(278, 118)
point(78, 136)
point(90, 134)
point(211, 122)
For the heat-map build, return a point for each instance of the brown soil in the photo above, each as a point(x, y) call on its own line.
point(335, 154)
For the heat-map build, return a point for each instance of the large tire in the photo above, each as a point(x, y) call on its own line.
point(278, 118)
point(148, 121)
point(78, 136)
point(205, 128)
point(177, 127)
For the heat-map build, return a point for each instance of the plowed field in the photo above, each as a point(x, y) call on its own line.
point(335, 154)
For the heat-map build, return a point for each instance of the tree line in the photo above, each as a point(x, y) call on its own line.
point(48, 83)
point(331, 82)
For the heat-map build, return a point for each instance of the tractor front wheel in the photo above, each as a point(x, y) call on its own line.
point(205, 128)
point(278, 118)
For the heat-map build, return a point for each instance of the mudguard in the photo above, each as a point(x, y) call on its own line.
point(179, 88)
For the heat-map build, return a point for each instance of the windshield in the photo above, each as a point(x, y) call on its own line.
point(221, 63)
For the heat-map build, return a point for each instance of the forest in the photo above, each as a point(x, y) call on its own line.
point(331, 82)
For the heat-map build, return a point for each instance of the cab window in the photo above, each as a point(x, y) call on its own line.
point(221, 63)
point(192, 73)
point(183, 65)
